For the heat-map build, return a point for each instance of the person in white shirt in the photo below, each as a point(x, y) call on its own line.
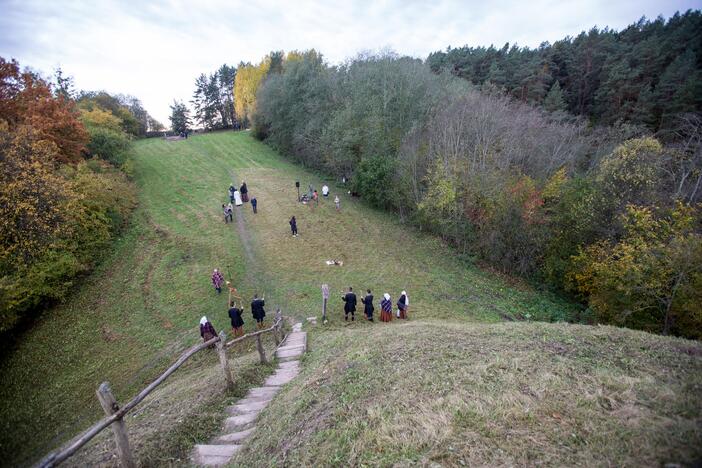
point(325, 190)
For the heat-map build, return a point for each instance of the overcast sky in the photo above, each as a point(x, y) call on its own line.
point(154, 50)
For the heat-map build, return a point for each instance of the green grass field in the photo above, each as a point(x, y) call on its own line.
point(134, 314)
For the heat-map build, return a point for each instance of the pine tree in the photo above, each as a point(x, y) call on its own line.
point(554, 101)
point(180, 117)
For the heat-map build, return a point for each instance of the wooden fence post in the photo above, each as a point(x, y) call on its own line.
point(325, 298)
point(276, 328)
point(261, 351)
point(223, 360)
point(119, 428)
point(275, 335)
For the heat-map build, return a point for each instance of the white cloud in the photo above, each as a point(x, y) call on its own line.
point(155, 50)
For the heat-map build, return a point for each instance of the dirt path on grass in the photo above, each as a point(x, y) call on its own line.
point(254, 275)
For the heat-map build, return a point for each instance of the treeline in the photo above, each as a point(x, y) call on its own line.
point(607, 214)
point(645, 74)
point(62, 196)
point(213, 99)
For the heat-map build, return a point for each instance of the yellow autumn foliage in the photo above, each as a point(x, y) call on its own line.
point(248, 79)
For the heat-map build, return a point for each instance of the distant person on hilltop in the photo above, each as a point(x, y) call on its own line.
point(257, 310)
point(244, 192)
point(293, 226)
point(403, 305)
point(325, 190)
point(237, 321)
point(207, 331)
point(368, 305)
point(385, 308)
point(217, 280)
point(254, 204)
point(349, 304)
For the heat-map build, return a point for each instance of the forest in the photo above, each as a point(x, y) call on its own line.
point(568, 192)
point(645, 74)
point(64, 184)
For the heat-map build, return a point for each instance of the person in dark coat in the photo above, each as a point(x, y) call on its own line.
point(237, 321)
point(244, 192)
point(207, 331)
point(232, 189)
point(349, 304)
point(368, 305)
point(257, 310)
point(403, 305)
point(254, 204)
point(293, 226)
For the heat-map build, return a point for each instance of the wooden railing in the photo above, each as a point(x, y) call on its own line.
point(115, 413)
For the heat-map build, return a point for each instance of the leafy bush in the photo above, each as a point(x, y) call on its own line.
point(53, 224)
point(373, 181)
point(108, 144)
point(651, 278)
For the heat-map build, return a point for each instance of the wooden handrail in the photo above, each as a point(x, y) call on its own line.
point(58, 456)
point(251, 335)
point(72, 447)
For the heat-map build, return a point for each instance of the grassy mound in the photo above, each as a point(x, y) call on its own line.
point(480, 394)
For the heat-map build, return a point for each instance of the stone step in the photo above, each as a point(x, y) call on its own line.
point(297, 327)
point(261, 393)
point(288, 365)
point(281, 378)
point(295, 338)
point(293, 353)
point(240, 422)
point(300, 347)
point(214, 455)
point(247, 407)
point(233, 437)
point(254, 400)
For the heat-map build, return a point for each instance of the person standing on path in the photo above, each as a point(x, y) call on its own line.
point(402, 305)
point(227, 213)
point(217, 280)
point(293, 226)
point(368, 305)
point(315, 197)
point(385, 308)
point(237, 198)
point(207, 331)
point(254, 204)
point(325, 190)
point(349, 304)
point(244, 192)
point(232, 189)
point(257, 310)
point(337, 203)
point(237, 321)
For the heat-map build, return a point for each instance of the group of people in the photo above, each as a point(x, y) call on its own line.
point(238, 197)
point(313, 198)
point(350, 302)
point(235, 312)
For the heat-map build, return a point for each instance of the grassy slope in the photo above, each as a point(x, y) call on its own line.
point(139, 309)
point(424, 392)
point(143, 305)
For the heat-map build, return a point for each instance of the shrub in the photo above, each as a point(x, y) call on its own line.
point(108, 144)
point(651, 278)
